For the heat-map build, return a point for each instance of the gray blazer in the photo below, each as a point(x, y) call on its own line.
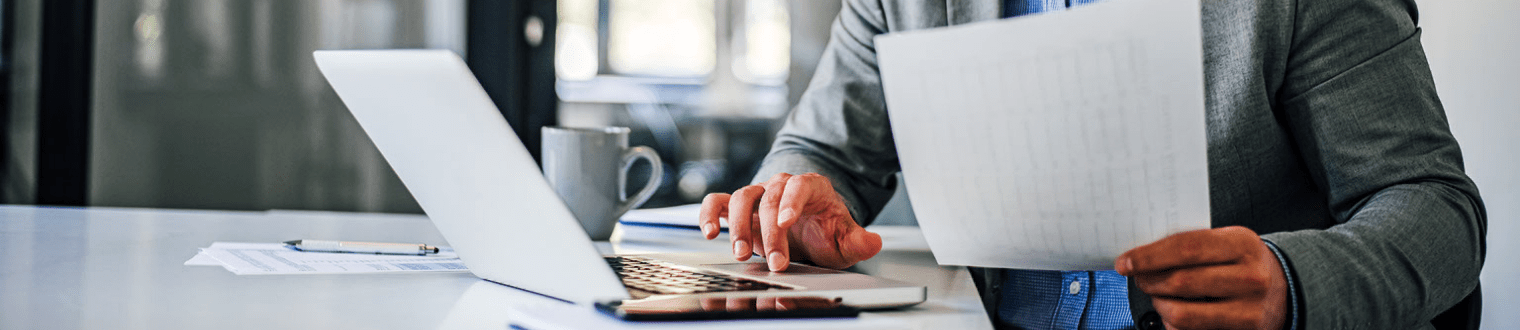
point(1325, 134)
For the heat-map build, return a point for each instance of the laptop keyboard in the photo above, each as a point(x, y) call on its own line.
point(667, 278)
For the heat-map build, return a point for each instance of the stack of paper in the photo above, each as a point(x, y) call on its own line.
point(667, 222)
point(275, 258)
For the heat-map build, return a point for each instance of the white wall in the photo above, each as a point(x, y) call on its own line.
point(1474, 51)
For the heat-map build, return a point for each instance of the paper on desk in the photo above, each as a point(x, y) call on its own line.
point(275, 258)
point(202, 259)
point(680, 216)
point(663, 224)
point(1053, 141)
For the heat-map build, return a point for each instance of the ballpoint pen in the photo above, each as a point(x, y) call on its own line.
point(307, 245)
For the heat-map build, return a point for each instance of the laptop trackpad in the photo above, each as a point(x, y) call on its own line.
point(760, 269)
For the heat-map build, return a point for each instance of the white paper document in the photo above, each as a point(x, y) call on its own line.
point(275, 258)
point(1053, 141)
point(203, 259)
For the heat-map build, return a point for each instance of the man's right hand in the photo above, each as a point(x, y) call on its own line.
point(795, 216)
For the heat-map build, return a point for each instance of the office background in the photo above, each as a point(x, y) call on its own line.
point(216, 104)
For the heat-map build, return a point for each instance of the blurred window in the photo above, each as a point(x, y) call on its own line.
point(575, 58)
point(765, 47)
point(669, 38)
point(673, 38)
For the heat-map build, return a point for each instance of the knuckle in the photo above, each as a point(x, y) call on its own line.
point(1174, 282)
point(1237, 231)
point(779, 177)
point(748, 192)
point(1255, 282)
point(1190, 248)
point(714, 198)
point(754, 188)
point(1254, 315)
point(795, 180)
point(1183, 319)
point(816, 178)
point(772, 196)
point(1255, 279)
point(776, 184)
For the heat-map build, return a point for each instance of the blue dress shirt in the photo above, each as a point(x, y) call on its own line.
point(1041, 299)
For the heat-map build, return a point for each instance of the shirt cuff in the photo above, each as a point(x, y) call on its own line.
point(1293, 300)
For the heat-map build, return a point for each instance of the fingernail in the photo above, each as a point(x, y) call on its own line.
point(1126, 265)
point(776, 261)
point(741, 249)
point(707, 229)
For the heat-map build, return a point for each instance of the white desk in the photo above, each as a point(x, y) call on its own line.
point(113, 268)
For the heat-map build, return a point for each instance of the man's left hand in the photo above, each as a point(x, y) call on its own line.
point(1223, 278)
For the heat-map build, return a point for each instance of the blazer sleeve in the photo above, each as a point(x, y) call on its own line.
point(839, 128)
point(1361, 106)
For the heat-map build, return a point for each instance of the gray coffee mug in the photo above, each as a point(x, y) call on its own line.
point(588, 167)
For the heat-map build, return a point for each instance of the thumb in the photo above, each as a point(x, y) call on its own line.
point(857, 244)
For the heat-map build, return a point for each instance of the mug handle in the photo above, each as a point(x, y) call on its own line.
point(657, 170)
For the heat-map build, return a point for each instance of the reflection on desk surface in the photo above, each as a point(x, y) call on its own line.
point(690, 307)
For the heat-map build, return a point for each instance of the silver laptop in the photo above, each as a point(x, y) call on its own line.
point(453, 150)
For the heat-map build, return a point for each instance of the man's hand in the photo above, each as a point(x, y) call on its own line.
point(790, 216)
point(1224, 278)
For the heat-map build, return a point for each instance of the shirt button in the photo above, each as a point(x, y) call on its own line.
point(1076, 286)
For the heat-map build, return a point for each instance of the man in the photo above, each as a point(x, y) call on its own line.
point(1337, 190)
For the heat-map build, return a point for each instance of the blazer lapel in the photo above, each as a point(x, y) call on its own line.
point(968, 11)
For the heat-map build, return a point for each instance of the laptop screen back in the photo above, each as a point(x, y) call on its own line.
point(444, 137)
